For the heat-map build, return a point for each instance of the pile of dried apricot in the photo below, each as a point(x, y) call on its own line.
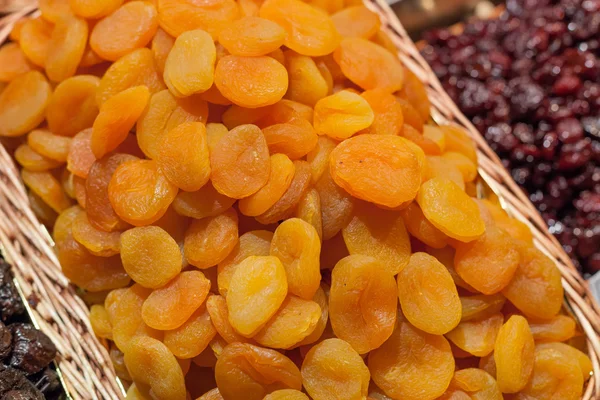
point(256, 202)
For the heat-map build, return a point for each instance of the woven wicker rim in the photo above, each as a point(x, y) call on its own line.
point(83, 359)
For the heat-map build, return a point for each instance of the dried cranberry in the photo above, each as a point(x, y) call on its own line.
point(526, 97)
point(567, 84)
point(575, 155)
point(569, 130)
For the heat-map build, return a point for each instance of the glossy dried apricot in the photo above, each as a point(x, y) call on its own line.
point(179, 16)
point(93, 9)
point(253, 243)
point(309, 31)
point(72, 107)
point(307, 84)
point(478, 336)
point(183, 156)
point(362, 302)
point(134, 69)
point(190, 65)
point(129, 27)
point(489, 262)
point(318, 157)
point(297, 245)
point(219, 315)
point(419, 227)
point(47, 187)
point(12, 62)
point(192, 338)
point(209, 240)
point(514, 354)
point(450, 209)
point(251, 81)
point(80, 158)
point(96, 241)
point(459, 141)
point(407, 360)
point(34, 39)
point(332, 369)
point(150, 256)
point(100, 322)
point(294, 138)
point(356, 21)
point(476, 383)
point(536, 287)
point(388, 117)
point(66, 47)
point(150, 362)
point(257, 289)
point(428, 295)
point(139, 193)
point(286, 394)
point(381, 169)
point(116, 118)
point(571, 352)
point(369, 65)
point(342, 114)
point(309, 210)
point(252, 36)
point(240, 162)
point(206, 202)
point(248, 372)
point(31, 160)
point(479, 306)
point(557, 329)
point(23, 103)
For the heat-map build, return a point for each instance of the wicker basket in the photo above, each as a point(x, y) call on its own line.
point(83, 359)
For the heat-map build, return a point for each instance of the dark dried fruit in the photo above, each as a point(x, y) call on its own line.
point(5, 341)
point(14, 383)
point(32, 349)
point(10, 302)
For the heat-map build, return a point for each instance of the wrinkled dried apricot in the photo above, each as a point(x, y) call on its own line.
point(294, 138)
point(209, 240)
point(129, 27)
point(31, 160)
point(514, 354)
point(252, 36)
point(342, 114)
point(34, 39)
point(93, 9)
point(12, 62)
point(80, 158)
point(96, 241)
point(381, 169)
point(191, 338)
point(179, 16)
point(557, 329)
point(66, 47)
point(219, 315)
point(477, 336)
point(47, 187)
point(205, 202)
point(307, 85)
point(571, 352)
point(419, 227)
point(408, 359)
point(309, 210)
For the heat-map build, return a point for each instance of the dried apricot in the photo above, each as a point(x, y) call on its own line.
point(307, 84)
point(206, 202)
point(476, 383)
point(294, 138)
point(252, 36)
point(342, 114)
point(96, 241)
point(35, 38)
point(179, 16)
point(514, 354)
point(219, 315)
point(557, 329)
point(66, 47)
point(94, 9)
point(309, 210)
point(356, 21)
point(192, 338)
point(12, 62)
point(34, 161)
point(479, 306)
point(478, 336)
point(209, 240)
point(571, 352)
point(318, 157)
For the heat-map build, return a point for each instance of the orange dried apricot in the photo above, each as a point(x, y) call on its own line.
point(240, 162)
point(407, 360)
point(362, 302)
point(414, 92)
point(475, 383)
point(514, 354)
point(251, 81)
point(571, 352)
point(428, 296)
point(252, 36)
point(162, 43)
point(309, 210)
point(205, 202)
point(294, 138)
point(438, 167)
point(100, 322)
point(209, 240)
point(80, 158)
point(12, 62)
point(450, 209)
point(356, 21)
point(342, 114)
point(556, 329)
point(219, 316)
point(245, 371)
point(66, 47)
point(129, 27)
point(179, 16)
point(47, 187)
point(34, 39)
point(318, 157)
point(479, 306)
point(150, 256)
point(23, 103)
point(307, 84)
point(309, 31)
point(477, 336)
point(381, 169)
point(419, 227)
point(96, 241)
point(34, 161)
point(466, 167)
point(369, 65)
point(388, 118)
point(183, 156)
point(93, 9)
point(332, 369)
point(192, 338)
point(380, 234)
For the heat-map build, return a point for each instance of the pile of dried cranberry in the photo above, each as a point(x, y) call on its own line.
point(530, 82)
point(25, 352)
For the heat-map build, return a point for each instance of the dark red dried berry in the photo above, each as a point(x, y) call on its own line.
point(32, 349)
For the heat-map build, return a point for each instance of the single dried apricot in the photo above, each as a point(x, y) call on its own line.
point(99, 209)
point(286, 394)
point(318, 157)
point(414, 92)
point(192, 338)
point(252, 36)
point(116, 118)
point(342, 114)
point(369, 65)
point(459, 141)
point(209, 240)
point(309, 31)
point(428, 295)
point(134, 69)
point(467, 168)
point(253, 243)
point(12, 62)
point(479, 306)
point(240, 162)
point(297, 245)
point(381, 169)
point(162, 43)
point(557, 329)
point(47, 187)
point(96, 241)
point(150, 362)
point(388, 118)
point(307, 84)
point(476, 383)
point(294, 138)
point(251, 81)
point(34, 39)
point(571, 352)
point(206, 202)
point(219, 315)
point(309, 210)
point(190, 65)
point(257, 289)
point(139, 193)
point(100, 322)
point(23, 103)
point(31, 160)
point(356, 21)
point(478, 336)
point(412, 365)
point(536, 287)
point(248, 372)
point(362, 302)
point(282, 171)
point(66, 47)
point(183, 156)
point(93, 9)
point(170, 306)
point(150, 256)
point(450, 209)
point(419, 227)
point(332, 370)
point(489, 262)
point(80, 158)
point(514, 354)
point(179, 16)
point(130, 27)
